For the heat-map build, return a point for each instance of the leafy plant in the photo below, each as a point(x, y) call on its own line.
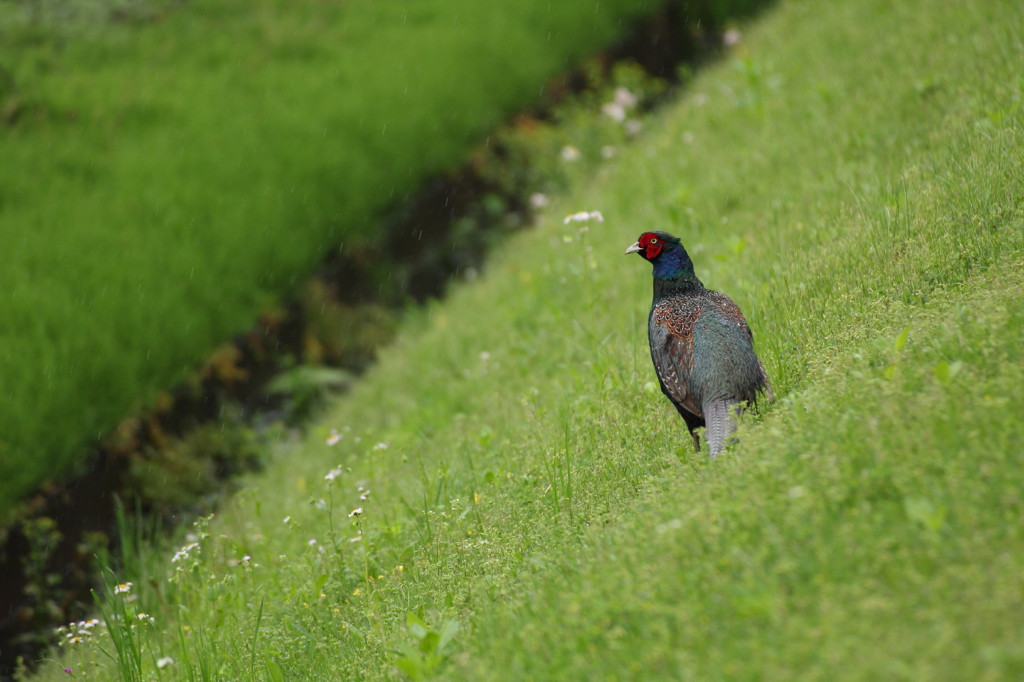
point(428, 651)
point(305, 386)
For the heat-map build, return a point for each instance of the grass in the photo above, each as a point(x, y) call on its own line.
point(851, 175)
point(166, 181)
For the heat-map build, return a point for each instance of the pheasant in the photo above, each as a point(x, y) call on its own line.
point(702, 348)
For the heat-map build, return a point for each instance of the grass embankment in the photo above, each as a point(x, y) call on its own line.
point(162, 184)
point(853, 178)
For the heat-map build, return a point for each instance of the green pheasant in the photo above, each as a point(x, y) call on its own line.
point(702, 348)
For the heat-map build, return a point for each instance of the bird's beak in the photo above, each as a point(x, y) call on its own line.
point(635, 248)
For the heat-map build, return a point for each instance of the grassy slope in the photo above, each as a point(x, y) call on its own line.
point(855, 172)
point(166, 183)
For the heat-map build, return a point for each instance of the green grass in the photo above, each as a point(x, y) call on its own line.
point(164, 183)
point(852, 176)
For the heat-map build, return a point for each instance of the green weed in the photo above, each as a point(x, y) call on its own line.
point(423, 658)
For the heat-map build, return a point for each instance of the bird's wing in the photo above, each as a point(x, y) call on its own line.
point(732, 333)
point(671, 335)
point(731, 313)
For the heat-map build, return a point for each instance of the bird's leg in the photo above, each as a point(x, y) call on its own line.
point(693, 423)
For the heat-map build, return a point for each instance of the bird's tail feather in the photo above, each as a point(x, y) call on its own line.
point(720, 423)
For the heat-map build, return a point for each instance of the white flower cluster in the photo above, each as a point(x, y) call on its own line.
point(583, 217)
point(77, 633)
point(622, 102)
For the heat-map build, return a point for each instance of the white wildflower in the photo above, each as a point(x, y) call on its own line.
point(123, 588)
point(162, 663)
point(732, 37)
point(184, 552)
point(381, 446)
point(614, 111)
point(332, 474)
point(570, 153)
point(624, 98)
point(355, 512)
point(333, 437)
point(538, 200)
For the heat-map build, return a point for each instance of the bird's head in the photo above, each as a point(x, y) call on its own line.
point(651, 244)
point(667, 255)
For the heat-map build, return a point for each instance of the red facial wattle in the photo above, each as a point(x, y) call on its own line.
point(651, 245)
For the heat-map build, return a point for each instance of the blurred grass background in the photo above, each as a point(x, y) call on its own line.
point(168, 171)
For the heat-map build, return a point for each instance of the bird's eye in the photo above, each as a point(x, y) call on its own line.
point(653, 241)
